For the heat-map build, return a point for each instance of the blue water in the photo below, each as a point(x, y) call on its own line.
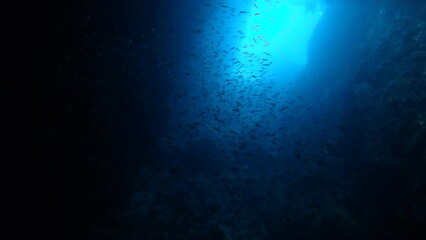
point(239, 78)
point(215, 119)
point(265, 135)
point(270, 131)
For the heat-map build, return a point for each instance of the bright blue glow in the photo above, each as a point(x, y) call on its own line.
point(242, 59)
point(277, 33)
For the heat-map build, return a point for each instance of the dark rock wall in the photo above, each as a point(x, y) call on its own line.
point(389, 93)
point(368, 67)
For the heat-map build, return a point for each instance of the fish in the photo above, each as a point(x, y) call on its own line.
point(242, 144)
point(342, 128)
point(194, 125)
point(297, 155)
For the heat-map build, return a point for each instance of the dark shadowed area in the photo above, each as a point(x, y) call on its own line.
point(214, 119)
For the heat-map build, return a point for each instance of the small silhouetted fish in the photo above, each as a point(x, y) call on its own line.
point(342, 128)
point(181, 192)
point(194, 125)
point(242, 145)
point(250, 181)
point(198, 31)
point(190, 182)
point(255, 5)
point(173, 170)
point(297, 155)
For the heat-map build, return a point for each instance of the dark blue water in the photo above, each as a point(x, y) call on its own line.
point(216, 119)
